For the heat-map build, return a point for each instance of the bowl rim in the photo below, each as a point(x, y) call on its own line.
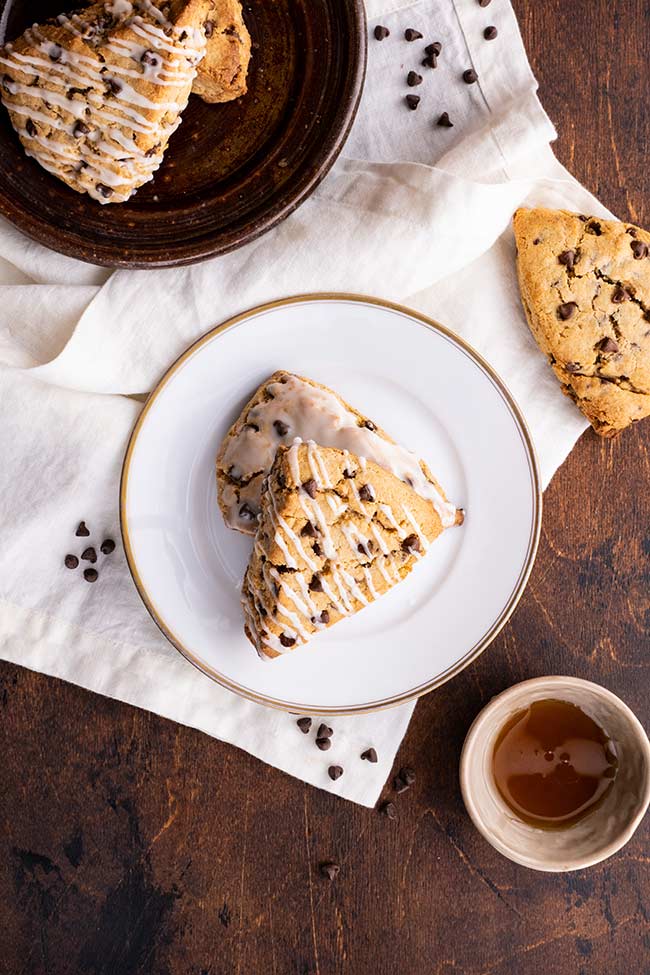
point(500, 703)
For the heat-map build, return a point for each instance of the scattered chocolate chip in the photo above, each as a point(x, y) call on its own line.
point(568, 259)
point(639, 249)
point(370, 755)
point(325, 617)
point(434, 49)
point(324, 731)
point(582, 217)
point(316, 584)
point(89, 555)
point(71, 561)
point(91, 575)
point(470, 76)
point(407, 775)
point(399, 785)
point(31, 128)
point(349, 474)
point(490, 33)
point(412, 35)
point(316, 549)
point(308, 530)
point(412, 101)
point(484, 3)
point(80, 129)
point(608, 345)
point(304, 724)
point(310, 487)
point(411, 544)
point(105, 191)
point(361, 548)
point(287, 641)
point(82, 531)
point(280, 428)
point(388, 809)
point(445, 121)
point(572, 367)
point(330, 870)
point(620, 295)
point(381, 33)
point(246, 513)
point(323, 743)
point(365, 493)
point(413, 79)
point(208, 27)
point(566, 310)
point(335, 772)
point(431, 61)
point(536, 241)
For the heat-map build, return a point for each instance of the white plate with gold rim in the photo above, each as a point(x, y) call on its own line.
point(428, 390)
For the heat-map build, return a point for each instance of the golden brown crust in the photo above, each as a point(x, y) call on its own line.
point(222, 73)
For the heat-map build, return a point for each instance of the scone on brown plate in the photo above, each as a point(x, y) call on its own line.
point(222, 73)
point(335, 533)
point(96, 95)
point(286, 407)
point(585, 287)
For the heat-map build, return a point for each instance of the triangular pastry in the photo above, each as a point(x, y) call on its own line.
point(96, 95)
point(335, 533)
point(585, 286)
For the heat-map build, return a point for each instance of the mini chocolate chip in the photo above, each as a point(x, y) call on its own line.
point(407, 775)
point(349, 474)
point(568, 259)
point(82, 531)
point(316, 585)
point(412, 101)
point(276, 590)
point(445, 121)
point(89, 555)
point(381, 33)
point(434, 48)
point(310, 487)
point(330, 870)
point(639, 249)
point(325, 617)
point(362, 548)
point(566, 310)
point(370, 755)
point(399, 785)
point(484, 3)
point(105, 191)
point(71, 561)
point(536, 241)
point(280, 428)
point(280, 478)
point(246, 513)
point(324, 731)
point(7, 82)
point(324, 744)
point(316, 549)
point(80, 129)
point(607, 345)
point(593, 227)
point(308, 530)
point(149, 57)
point(490, 33)
point(632, 231)
point(31, 128)
point(572, 367)
point(365, 493)
point(208, 27)
point(335, 772)
point(287, 641)
point(470, 76)
point(91, 575)
point(620, 295)
point(412, 35)
point(582, 217)
point(304, 724)
point(113, 86)
point(413, 79)
point(388, 809)
point(252, 426)
point(411, 544)
point(431, 61)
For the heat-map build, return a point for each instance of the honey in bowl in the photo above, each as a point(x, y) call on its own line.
point(553, 764)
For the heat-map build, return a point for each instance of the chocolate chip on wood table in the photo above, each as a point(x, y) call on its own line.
point(304, 724)
point(323, 744)
point(89, 555)
point(399, 785)
point(470, 76)
point(490, 33)
point(445, 121)
point(407, 775)
point(370, 755)
point(330, 870)
point(413, 79)
point(388, 809)
point(412, 101)
point(412, 35)
point(71, 561)
point(335, 772)
point(484, 3)
point(107, 546)
point(310, 487)
point(324, 731)
point(381, 33)
point(91, 575)
point(566, 310)
point(82, 531)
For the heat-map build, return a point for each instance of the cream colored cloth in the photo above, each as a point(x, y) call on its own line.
point(413, 212)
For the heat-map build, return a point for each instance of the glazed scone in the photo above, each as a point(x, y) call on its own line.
point(96, 95)
point(286, 407)
point(335, 533)
point(222, 73)
point(585, 287)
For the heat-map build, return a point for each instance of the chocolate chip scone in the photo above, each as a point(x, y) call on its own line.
point(222, 73)
point(286, 407)
point(585, 286)
point(335, 533)
point(96, 95)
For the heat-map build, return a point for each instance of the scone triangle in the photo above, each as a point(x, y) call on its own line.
point(335, 533)
point(585, 286)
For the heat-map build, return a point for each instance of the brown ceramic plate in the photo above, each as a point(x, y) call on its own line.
point(231, 171)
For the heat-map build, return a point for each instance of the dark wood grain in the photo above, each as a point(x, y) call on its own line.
point(132, 846)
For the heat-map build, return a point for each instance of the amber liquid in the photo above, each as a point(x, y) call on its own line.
point(553, 764)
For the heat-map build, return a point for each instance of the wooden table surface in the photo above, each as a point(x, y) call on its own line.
point(132, 846)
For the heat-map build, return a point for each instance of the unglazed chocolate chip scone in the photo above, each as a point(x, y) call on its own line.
point(286, 407)
point(585, 287)
point(335, 533)
point(222, 73)
point(96, 95)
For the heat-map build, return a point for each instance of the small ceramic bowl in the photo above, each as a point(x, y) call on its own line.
point(598, 835)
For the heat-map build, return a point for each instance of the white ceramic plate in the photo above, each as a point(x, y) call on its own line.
point(432, 393)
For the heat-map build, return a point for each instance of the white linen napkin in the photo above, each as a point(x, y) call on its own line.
point(413, 212)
